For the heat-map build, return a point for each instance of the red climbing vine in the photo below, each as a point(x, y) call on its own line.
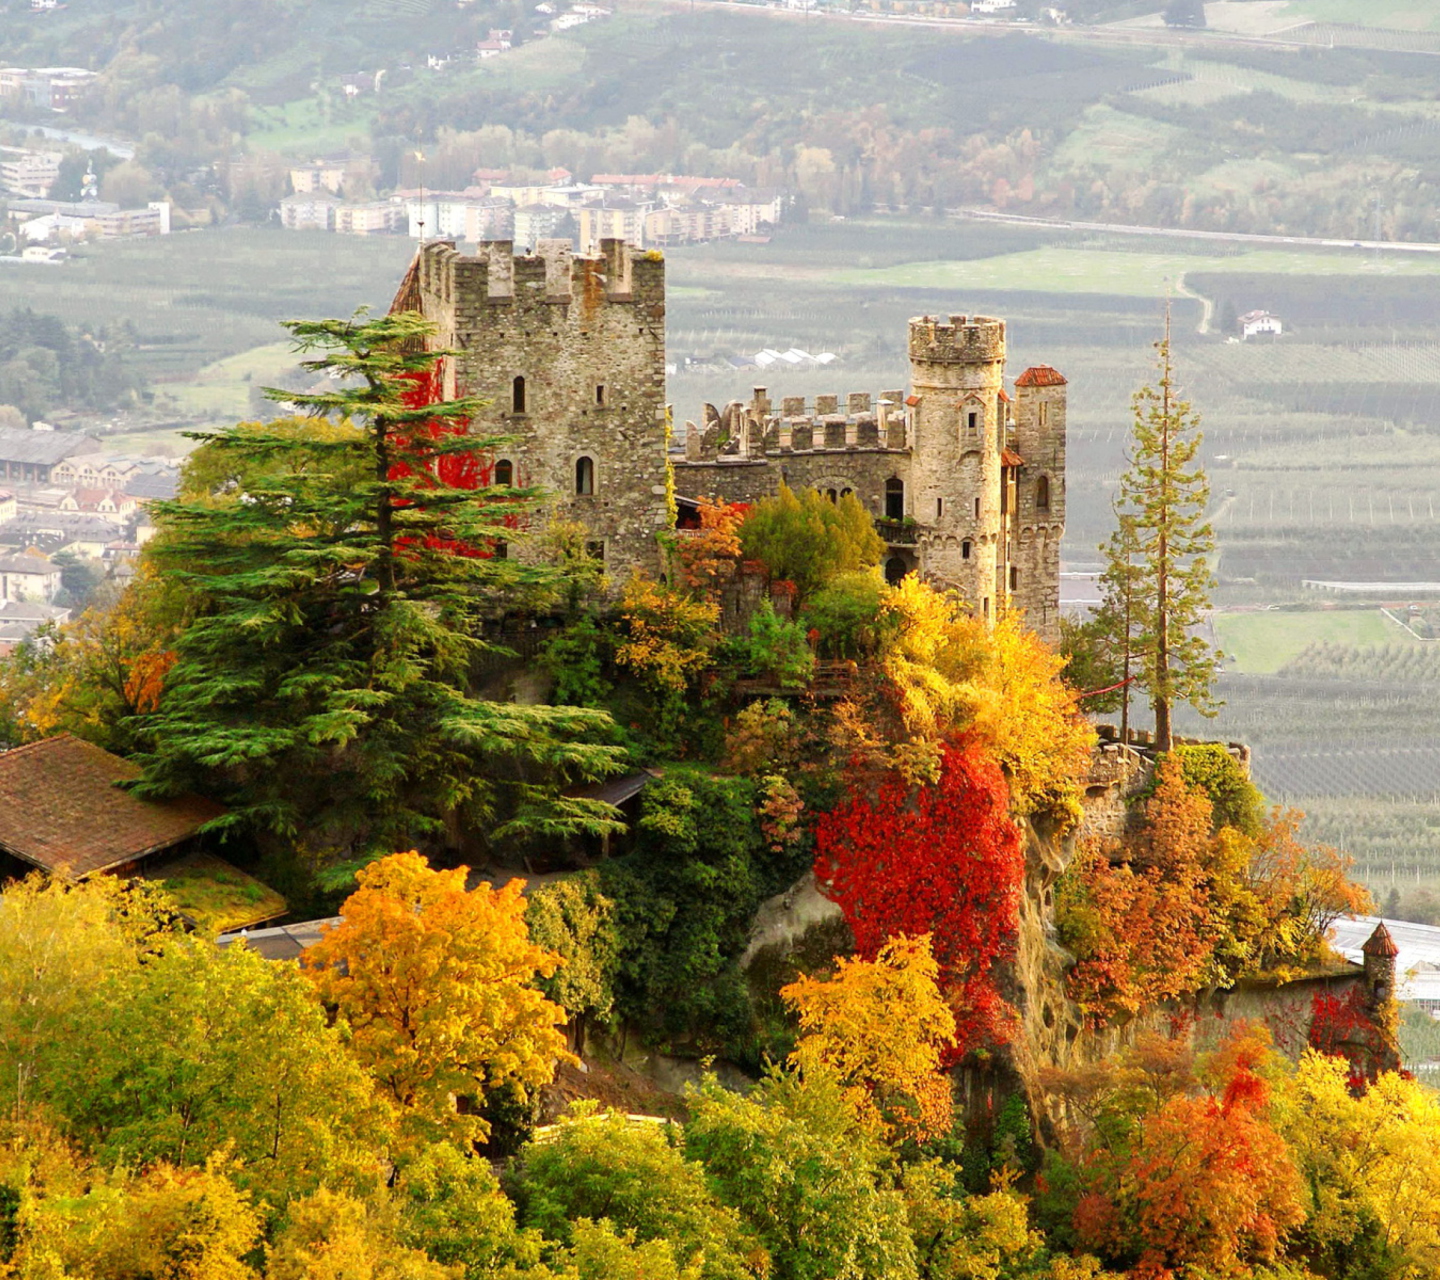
point(943, 859)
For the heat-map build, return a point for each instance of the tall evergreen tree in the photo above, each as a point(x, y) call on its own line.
point(324, 688)
point(1157, 580)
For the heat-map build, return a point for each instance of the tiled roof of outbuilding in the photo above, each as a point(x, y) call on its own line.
point(62, 810)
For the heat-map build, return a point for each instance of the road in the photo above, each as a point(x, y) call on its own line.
point(1178, 233)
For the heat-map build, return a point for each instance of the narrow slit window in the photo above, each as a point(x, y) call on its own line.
point(972, 422)
point(1014, 578)
point(1042, 494)
point(965, 549)
point(585, 476)
point(505, 472)
point(517, 395)
point(939, 508)
point(599, 395)
point(977, 508)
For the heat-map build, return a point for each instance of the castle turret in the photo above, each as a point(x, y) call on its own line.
point(957, 371)
point(1380, 953)
point(1038, 523)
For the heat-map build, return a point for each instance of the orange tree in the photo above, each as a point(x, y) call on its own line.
point(1200, 1184)
point(436, 987)
point(942, 859)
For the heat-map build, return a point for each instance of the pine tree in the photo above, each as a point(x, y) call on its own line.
point(324, 687)
point(1117, 620)
point(1157, 580)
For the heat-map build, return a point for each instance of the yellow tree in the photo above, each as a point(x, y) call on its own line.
point(881, 1027)
point(436, 984)
point(1373, 1157)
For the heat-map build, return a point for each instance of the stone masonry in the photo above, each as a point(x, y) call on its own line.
point(569, 353)
point(966, 481)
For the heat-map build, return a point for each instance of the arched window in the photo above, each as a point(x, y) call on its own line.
point(832, 495)
point(845, 493)
point(585, 476)
point(1042, 494)
point(895, 569)
point(965, 549)
point(894, 498)
point(517, 395)
point(504, 471)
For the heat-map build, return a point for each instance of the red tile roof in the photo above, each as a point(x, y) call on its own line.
point(60, 809)
point(1380, 943)
point(1041, 375)
point(1009, 458)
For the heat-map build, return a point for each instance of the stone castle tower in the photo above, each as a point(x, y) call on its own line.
point(966, 482)
point(570, 354)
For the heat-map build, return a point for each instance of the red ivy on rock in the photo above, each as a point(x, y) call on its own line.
point(945, 860)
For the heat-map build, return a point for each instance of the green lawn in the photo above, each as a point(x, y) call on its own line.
point(1137, 275)
point(1403, 15)
point(1262, 643)
point(220, 393)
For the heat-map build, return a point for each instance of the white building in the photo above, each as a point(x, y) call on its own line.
point(308, 211)
point(29, 174)
point(1260, 324)
point(28, 577)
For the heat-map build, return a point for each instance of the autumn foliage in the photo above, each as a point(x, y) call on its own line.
point(436, 986)
point(942, 859)
point(1179, 905)
point(882, 1026)
point(1202, 1182)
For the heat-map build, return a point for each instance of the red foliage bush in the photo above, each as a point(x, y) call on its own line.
point(944, 860)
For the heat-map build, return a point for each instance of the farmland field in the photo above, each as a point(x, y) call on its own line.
point(1262, 642)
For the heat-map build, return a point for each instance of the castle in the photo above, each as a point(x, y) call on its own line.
point(966, 481)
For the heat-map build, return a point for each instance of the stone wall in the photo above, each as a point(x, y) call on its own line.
point(569, 353)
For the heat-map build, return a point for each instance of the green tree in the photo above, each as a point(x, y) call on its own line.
point(807, 539)
point(323, 688)
point(1157, 577)
point(198, 1049)
point(604, 1166)
point(804, 1176)
point(576, 921)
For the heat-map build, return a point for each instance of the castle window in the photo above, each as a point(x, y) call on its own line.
point(1044, 413)
point(894, 498)
point(1014, 578)
point(939, 508)
point(965, 549)
point(977, 508)
point(517, 395)
point(596, 551)
point(1042, 494)
point(972, 422)
point(832, 495)
point(599, 395)
point(895, 569)
point(504, 471)
point(845, 493)
point(585, 476)
point(985, 606)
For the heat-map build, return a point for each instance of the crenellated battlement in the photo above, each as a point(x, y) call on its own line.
point(957, 340)
point(855, 422)
point(496, 275)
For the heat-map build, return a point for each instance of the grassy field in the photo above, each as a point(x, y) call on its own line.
point(1138, 274)
point(1261, 643)
point(1402, 15)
